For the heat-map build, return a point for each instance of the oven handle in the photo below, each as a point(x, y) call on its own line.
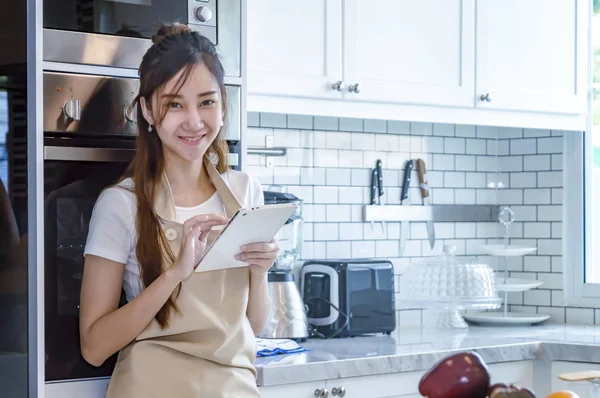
point(75, 154)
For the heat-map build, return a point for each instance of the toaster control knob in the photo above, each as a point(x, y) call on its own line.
point(203, 14)
point(321, 393)
point(338, 391)
point(72, 109)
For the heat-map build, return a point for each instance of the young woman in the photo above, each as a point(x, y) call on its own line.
point(182, 333)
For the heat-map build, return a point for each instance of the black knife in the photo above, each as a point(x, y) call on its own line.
point(403, 196)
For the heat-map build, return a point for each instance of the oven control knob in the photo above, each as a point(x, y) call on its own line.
point(129, 113)
point(72, 109)
point(203, 14)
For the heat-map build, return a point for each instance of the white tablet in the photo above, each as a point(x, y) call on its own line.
point(257, 224)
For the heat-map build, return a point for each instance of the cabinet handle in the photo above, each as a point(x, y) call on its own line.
point(338, 86)
point(353, 88)
point(486, 97)
point(321, 393)
point(338, 391)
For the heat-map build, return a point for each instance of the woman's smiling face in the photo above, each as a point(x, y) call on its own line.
point(193, 115)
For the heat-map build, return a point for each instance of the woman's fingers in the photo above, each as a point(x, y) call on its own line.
point(261, 247)
point(255, 256)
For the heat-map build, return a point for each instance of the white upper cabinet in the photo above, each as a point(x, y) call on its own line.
point(531, 55)
point(294, 48)
point(411, 52)
point(520, 63)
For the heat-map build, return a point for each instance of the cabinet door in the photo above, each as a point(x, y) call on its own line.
point(410, 52)
point(531, 55)
point(294, 48)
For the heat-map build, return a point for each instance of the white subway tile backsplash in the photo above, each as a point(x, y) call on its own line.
point(351, 231)
point(433, 144)
point(580, 316)
point(325, 231)
point(443, 162)
point(463, 130)
point(363, 249)
point(465, 196)
point(536, 297)
point(330, 168)
point(550, 179)
point(455, 145)
point(339, 213)
point(454, 179)
point(338, 250)
point(327, 195)
point(476, 146)
point(536, 163)
point(550, 145)
point(386, 142)
point(537, 196)
point(527, 146)
point(337, 140)
point(337, 176)
point(440, 129)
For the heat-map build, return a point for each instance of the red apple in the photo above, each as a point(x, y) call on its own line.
point(459, 375)
point(501, 390)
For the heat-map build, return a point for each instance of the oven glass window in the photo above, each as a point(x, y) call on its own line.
point(133, 18)
point(71, 189)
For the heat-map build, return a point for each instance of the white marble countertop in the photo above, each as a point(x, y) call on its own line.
point(413, 349)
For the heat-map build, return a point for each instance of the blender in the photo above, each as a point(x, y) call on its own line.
point(287, 318)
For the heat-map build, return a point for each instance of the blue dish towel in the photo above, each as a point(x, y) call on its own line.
point(270, 347)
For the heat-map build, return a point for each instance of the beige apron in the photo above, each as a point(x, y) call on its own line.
point(209, 348)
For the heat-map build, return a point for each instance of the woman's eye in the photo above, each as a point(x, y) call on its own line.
point(174, 105)
point(208, 102)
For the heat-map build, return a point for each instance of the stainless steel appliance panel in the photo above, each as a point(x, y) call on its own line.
point(118, 33)
point(101, 105)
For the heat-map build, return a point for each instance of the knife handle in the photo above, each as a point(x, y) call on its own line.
point(379, 177)
point(406, 180)
point(422, 173)
point(374, 179)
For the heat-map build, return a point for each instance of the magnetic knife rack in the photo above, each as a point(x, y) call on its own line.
point(437, 213)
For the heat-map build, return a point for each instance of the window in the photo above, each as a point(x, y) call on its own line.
point(582, 175)
point(3, 133)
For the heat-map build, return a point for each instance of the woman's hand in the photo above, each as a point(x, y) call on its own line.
point(193, 245)
point(260, 256)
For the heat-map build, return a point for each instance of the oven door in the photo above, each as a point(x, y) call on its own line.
point(75, 173)
point(118, 32)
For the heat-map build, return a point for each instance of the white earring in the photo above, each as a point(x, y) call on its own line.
point(221, 122)
point(149, 128)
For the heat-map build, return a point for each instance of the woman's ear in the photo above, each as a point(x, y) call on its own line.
point(146, 111)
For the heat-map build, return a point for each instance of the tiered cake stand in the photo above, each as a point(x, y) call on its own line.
point(506, 284)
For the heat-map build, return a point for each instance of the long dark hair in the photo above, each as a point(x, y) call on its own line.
point(175, 48)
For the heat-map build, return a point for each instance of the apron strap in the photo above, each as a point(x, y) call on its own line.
point(229, 200)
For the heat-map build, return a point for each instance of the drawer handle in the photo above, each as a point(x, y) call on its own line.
point(338, 391)
point(321, 393)
point(485, 98)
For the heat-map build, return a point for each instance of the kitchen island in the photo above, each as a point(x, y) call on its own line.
point(533, 356)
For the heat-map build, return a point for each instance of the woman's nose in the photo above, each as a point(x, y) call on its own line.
point(194, 121)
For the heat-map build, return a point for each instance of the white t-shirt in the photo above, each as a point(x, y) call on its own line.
point(113, 235)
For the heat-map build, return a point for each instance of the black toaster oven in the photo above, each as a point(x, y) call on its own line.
point(349, 297)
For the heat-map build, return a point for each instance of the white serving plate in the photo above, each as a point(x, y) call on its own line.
point(511, 318)
point(509, 251)
point(516, 284)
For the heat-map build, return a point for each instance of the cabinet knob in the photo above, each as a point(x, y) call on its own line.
point(353, 88)
point(72, 109)
point(338, 391)
point(338, 86)
point(203, 14)
point(485, 97)
point(321, 393)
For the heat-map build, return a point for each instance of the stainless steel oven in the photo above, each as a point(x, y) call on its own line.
point(117, 33)
point(89, 140)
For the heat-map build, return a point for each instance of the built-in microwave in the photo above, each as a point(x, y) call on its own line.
point(117, 33)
